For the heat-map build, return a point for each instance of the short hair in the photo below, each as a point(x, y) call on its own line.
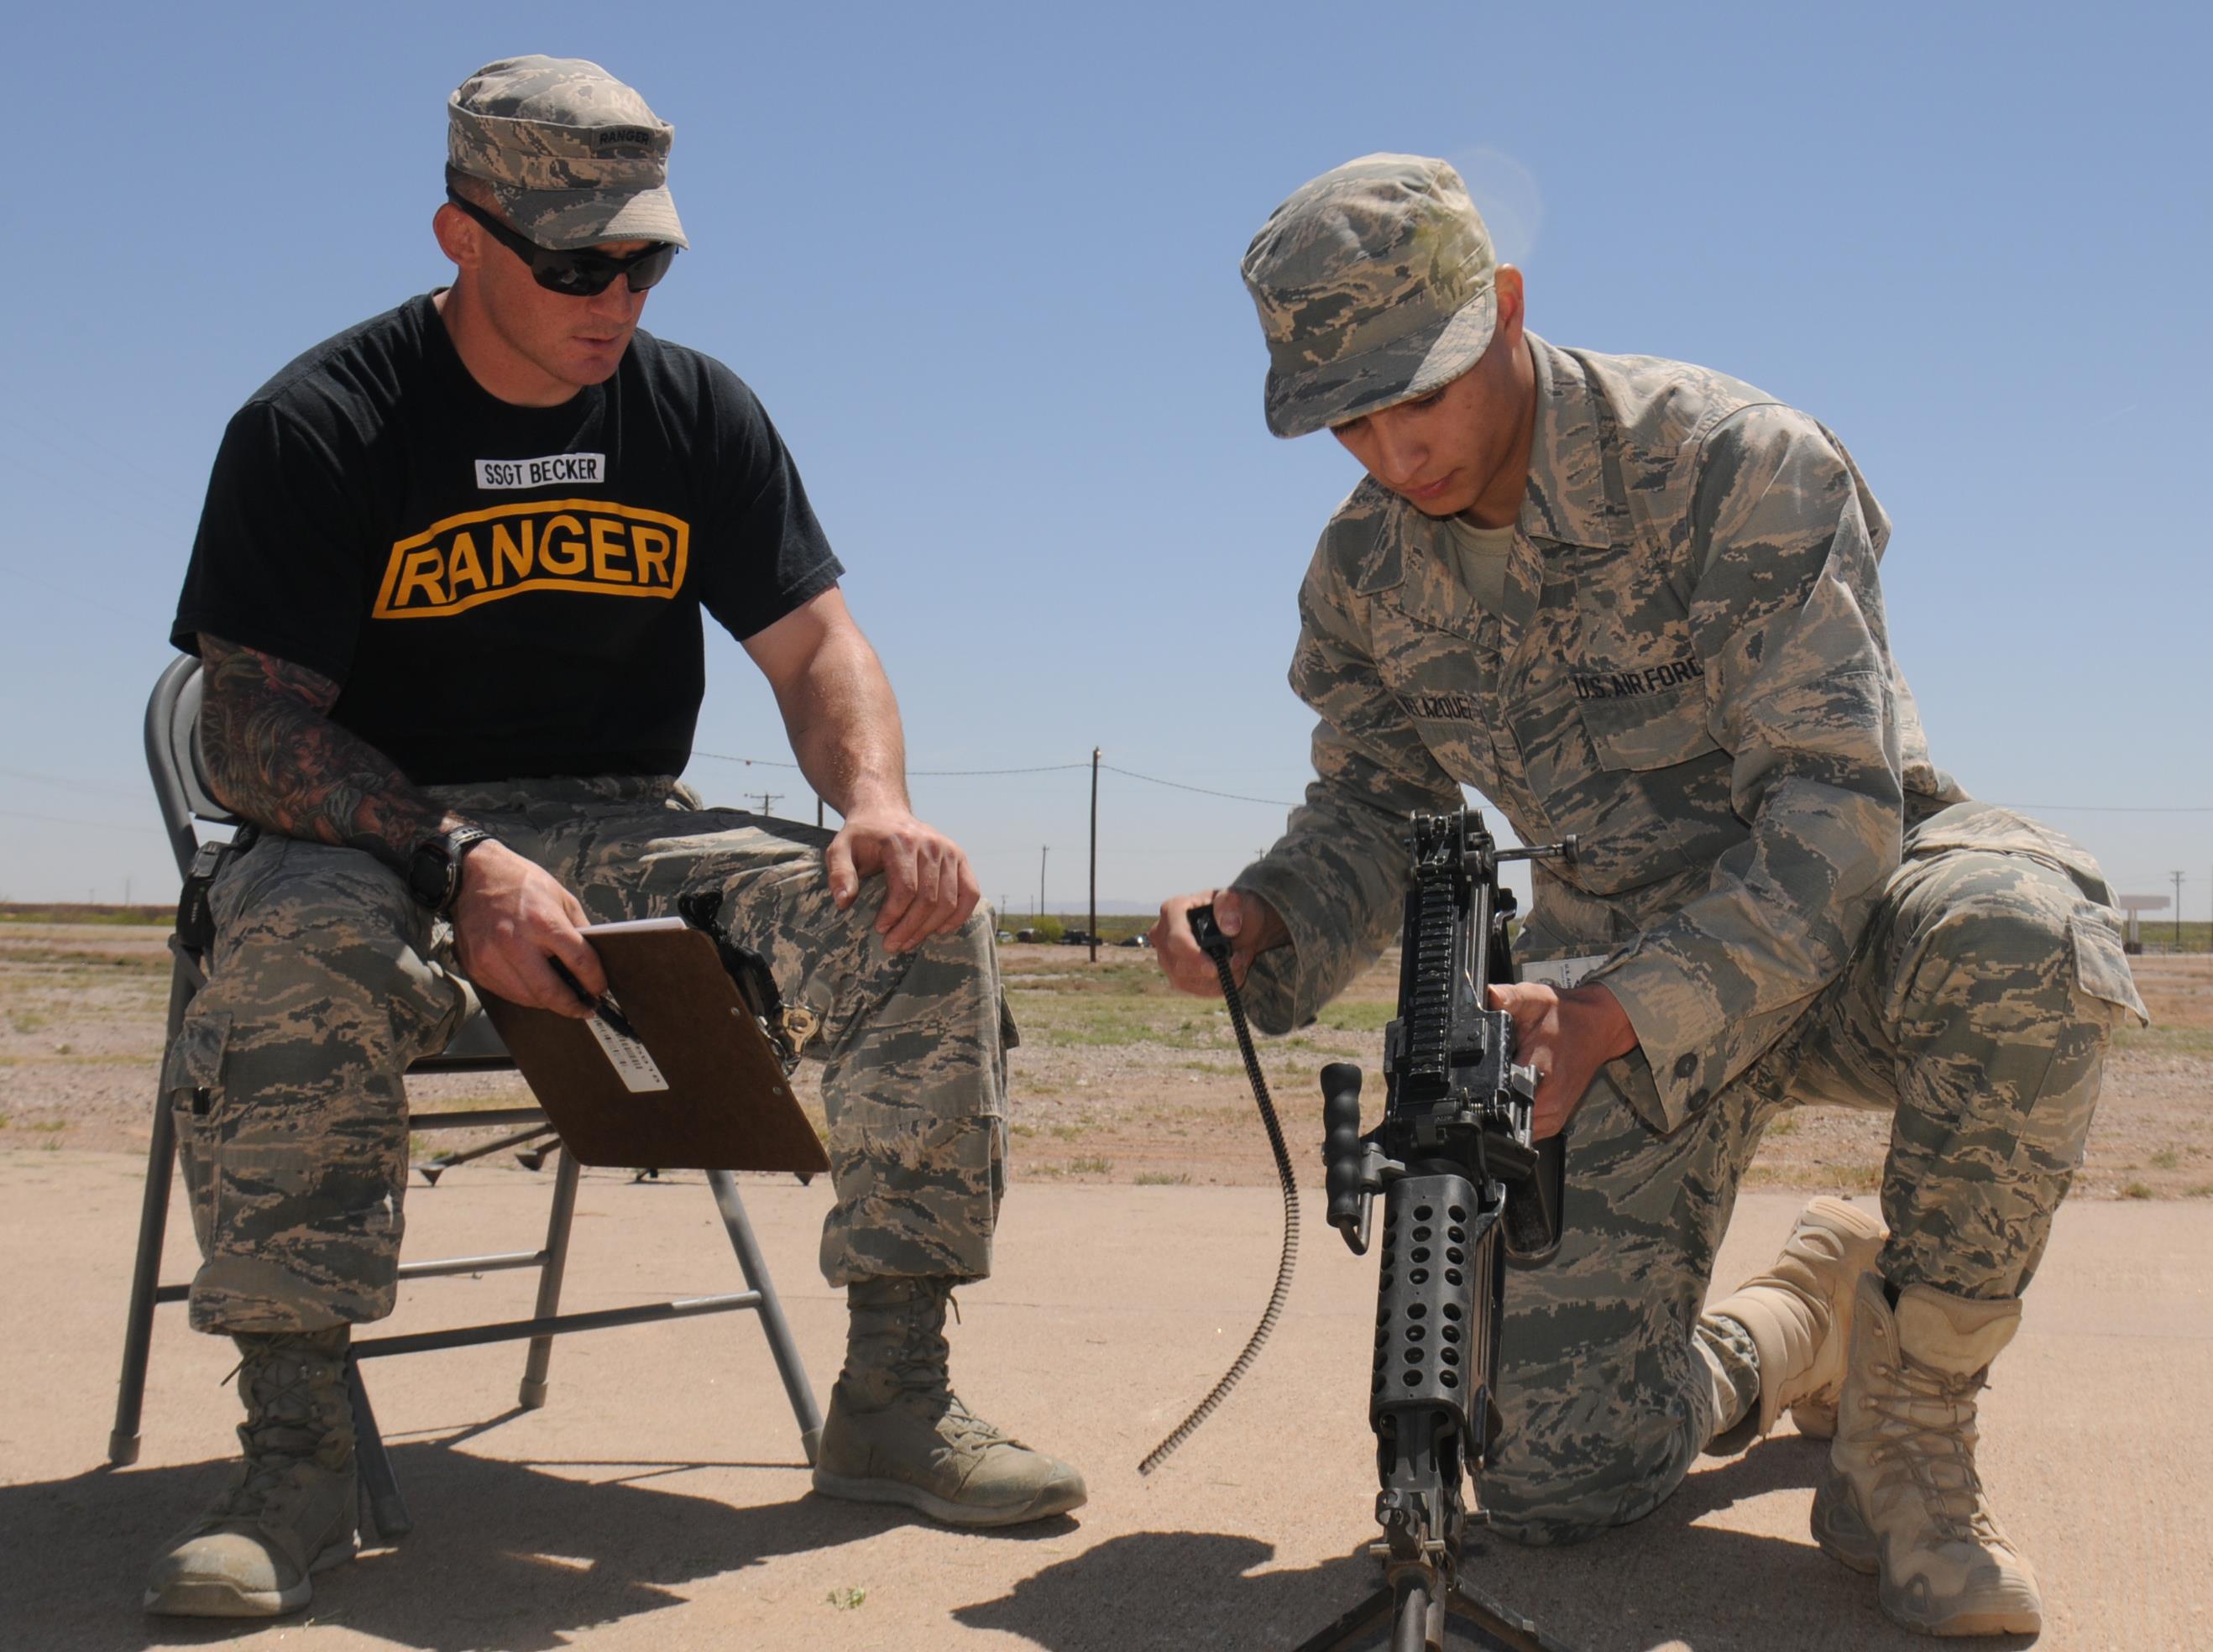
point(474, 190)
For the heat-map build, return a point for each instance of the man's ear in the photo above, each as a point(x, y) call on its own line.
point(455, 235)
point(1506, 281)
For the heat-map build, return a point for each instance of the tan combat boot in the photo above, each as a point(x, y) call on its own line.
point(1902, 1499)
point(1800, 1316)
point(289, 1509)
point(898, 1432)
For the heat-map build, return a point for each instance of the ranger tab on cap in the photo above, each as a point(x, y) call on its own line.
point(574, 156)
point(1374, 286)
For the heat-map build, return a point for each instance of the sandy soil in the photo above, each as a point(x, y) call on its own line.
point(1116, 1080)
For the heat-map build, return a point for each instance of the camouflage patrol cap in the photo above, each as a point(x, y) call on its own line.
point(572, 155)
point(1374, 284)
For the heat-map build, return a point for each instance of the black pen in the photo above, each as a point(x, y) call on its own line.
point(603, 1006)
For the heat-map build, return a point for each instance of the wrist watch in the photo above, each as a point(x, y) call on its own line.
point(434, 871)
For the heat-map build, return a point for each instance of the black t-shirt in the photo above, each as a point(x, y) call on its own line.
point(502, 591)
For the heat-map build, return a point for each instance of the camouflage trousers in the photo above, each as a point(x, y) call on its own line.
point(1976, 1012)
point(327, 980)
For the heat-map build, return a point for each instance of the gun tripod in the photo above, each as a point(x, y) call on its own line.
point(1419, 1615)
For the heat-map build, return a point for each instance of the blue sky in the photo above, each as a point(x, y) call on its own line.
point(980, 262)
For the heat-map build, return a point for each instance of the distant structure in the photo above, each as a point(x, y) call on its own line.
point(2136, 907)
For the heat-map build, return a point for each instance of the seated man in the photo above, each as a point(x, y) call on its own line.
point(1636, 602)
point(448, 587)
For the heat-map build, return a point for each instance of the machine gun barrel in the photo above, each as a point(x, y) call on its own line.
point(1465, 1184)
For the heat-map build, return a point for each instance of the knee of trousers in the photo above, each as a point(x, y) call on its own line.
point(1567, 1484)
point(1986, 953)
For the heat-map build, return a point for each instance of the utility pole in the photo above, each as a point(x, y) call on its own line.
point(767, 798)
point(1094, 854)
point(818, 811)
point(2177, 876)
point(1044, 849)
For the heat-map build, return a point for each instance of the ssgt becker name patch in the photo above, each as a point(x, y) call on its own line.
point(546, 544)
point(561, 469)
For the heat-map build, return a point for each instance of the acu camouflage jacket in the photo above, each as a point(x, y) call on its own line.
point(1691, 673)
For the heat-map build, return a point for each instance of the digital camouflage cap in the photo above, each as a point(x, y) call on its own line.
point(572, 155)
point(1374, 284)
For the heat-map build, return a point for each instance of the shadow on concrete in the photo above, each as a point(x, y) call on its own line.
point(1665, 1581)
point(512, 1555)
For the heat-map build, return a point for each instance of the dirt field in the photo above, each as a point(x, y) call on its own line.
point(1117, 1079)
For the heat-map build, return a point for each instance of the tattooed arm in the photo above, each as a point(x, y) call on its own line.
point(275, 758)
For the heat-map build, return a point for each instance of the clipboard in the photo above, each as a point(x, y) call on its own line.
point(699, 1089)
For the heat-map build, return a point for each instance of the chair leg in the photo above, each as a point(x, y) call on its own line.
point(531, 1394)
point(146, 1272)
point(145, 1279)
point(776, 1328)
point(374, 1464)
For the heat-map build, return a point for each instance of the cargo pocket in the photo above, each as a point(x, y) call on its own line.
point(2101, 967)
point(1656, 779)
point(191, 1082)
point(1649, 731)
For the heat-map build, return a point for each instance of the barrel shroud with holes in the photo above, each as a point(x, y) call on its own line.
point(1465, 1189)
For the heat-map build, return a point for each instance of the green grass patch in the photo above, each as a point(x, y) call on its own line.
point(2167, 1159)
point(1163, 1179)
point(1357, 1017)
point(1091, 1165)
point(77, 912)
point(2165, 1040)
point(2136, 1189)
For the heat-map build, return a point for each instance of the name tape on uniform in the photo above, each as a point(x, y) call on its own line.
point(555, 470)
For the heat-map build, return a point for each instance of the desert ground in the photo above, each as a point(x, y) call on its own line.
point(1117, 1078)
point(660, 1500)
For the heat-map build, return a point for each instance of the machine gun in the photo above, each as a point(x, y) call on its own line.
point(1465, 1187)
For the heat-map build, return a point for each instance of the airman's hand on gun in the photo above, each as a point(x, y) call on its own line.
point(1567, 1036)
point(1249, 922)
point(510, 916)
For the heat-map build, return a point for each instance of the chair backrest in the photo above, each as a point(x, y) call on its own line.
point(172, 760)
point(181, 786)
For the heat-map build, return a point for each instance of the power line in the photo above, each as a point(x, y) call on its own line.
point(1209, 792)
point(68, 785)
point(2113, 808)
point(1277, 803)
point(57, 820)
point(933, 774)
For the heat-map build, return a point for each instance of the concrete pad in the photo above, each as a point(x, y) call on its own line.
point(659, 1500)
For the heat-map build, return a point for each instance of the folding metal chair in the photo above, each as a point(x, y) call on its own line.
point(181, 785)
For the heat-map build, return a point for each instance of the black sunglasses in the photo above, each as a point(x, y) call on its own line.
point(580, 274)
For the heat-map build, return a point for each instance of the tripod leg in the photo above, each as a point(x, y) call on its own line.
point(1375, 1609)
point(1499, 1626)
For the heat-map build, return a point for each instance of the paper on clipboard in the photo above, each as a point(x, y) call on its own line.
point(633, 1061)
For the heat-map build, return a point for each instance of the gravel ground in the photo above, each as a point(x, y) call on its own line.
point(1117, 1079)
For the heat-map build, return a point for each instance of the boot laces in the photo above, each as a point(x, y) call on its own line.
point(288, 1423)
point(1928, 1424)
